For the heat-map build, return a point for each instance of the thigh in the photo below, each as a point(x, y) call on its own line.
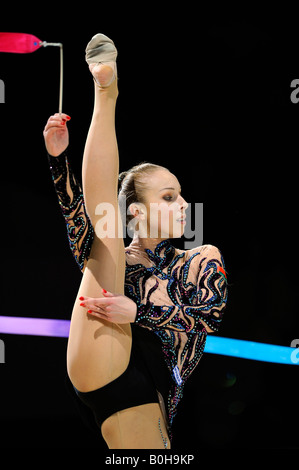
point(139, 427)
point(106, 264)
point(105, 267)
point(99, 351)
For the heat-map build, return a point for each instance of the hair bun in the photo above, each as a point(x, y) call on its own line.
point(121, 177)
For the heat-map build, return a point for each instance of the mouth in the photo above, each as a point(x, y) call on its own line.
point(182, 220)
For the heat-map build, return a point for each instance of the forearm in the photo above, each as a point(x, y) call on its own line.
point(70, 198)
point(59, 171)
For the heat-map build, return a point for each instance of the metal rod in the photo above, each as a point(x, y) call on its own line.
point(61, 80)
point(57, 44)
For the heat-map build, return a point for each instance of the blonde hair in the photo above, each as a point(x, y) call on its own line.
point(132, 183)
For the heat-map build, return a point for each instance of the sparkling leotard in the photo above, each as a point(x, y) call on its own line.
point(180, 294)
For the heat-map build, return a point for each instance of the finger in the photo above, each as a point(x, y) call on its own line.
point(97, 310)
point(94, 303)
point(98, 315)
point(101, 302)
point(107, 293)
point(57, 119)
point(61, 116)
point(54, 124)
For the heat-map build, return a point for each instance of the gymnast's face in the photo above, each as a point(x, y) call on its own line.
point(162, 214)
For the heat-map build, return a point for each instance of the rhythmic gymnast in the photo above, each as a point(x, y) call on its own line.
point(142, 313)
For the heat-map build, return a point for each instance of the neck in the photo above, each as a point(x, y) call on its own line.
point(145, 243)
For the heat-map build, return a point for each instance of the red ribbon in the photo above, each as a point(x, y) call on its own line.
point(19, 43)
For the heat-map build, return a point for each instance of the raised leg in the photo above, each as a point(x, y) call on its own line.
point(99, 351)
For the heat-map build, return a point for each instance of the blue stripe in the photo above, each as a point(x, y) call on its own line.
point(214, 345)
point(252, 350)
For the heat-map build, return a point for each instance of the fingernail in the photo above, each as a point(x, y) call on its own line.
point(63, 122)
point(81, 298)
point(82, 305)
point(68, 117)
point(89, 311)
point(104, 290)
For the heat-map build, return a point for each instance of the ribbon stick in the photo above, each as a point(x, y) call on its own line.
point(58, 44)
point(22, 43)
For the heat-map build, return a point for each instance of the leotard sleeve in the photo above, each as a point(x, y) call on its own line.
point(70, 197)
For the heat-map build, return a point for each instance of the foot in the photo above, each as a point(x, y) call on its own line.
point(101, 56)
point(103, 74)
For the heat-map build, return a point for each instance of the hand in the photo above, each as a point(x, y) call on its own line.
point(56, 134)
point(115, 308)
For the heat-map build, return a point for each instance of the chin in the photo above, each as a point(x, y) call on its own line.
point(177, 233)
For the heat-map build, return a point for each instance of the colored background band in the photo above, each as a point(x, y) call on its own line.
point(214, 345)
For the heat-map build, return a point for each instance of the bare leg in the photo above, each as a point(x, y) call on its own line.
point(98, 351)
point(136, 428)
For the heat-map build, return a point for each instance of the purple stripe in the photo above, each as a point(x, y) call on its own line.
point(214, 345)
point(34, 326)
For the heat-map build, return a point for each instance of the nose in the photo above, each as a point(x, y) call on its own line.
point(183, 204)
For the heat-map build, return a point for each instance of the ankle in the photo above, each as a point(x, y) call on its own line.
point(103, 74)
point(108, 92)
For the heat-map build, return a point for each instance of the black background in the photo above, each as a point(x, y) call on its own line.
point(207, 96)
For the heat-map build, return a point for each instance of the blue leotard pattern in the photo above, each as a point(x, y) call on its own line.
point(180, 294)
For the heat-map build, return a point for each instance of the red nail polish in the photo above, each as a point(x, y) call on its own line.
point(81, 298)
point(89, 311)
point(68, 117)
point(82, 304)
point(104, 290)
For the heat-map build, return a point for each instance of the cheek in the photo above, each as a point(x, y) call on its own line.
point(158, 214)
point(167, 213)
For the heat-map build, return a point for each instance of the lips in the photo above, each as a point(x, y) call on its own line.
point(182, 220)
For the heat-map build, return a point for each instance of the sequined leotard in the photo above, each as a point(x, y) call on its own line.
point(180, 295)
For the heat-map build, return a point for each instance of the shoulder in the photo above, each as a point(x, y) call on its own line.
point(207, 256)
point(203, 251)
point(197, 258)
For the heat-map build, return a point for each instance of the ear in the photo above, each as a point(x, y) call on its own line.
point(136, 210)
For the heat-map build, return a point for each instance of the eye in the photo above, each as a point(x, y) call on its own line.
point(167, 198)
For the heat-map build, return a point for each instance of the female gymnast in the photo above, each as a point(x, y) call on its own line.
point(142, 313)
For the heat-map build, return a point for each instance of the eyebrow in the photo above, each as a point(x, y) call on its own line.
point(170, 188)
